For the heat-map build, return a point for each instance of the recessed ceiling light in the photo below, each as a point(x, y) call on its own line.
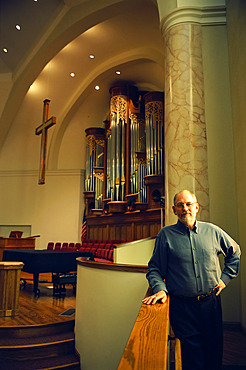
point(97, 87)
point(5, 50)
point(118, 72)
point(72, 74)
point(91, 56)
point(18, 27)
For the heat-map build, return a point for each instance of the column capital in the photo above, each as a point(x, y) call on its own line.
point(207, 12)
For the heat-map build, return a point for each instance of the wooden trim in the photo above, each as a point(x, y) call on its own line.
point(111, 266)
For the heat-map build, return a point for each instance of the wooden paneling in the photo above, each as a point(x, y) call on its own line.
point(126, 226)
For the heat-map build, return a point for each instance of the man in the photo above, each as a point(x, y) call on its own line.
point(186, 256)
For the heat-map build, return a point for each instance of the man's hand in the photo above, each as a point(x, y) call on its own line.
point(221, 286)
point(159, 296)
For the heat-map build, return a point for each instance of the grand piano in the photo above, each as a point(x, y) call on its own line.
point(42, 261)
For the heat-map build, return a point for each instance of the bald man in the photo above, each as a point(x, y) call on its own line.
point(185, 265)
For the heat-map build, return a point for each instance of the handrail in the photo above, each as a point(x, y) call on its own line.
point(147, 347)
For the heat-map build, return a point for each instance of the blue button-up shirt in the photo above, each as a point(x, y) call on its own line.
point(188, 260)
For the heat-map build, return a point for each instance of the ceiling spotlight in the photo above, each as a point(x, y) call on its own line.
point(18, 27)
point(118, 72)
point(72, 74)
point(5, 50)
point(97, 87)
point(91, 56)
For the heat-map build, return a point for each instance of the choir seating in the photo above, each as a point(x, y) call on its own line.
point(103, 250)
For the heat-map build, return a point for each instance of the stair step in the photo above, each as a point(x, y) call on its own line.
point(68, 362)
point(35, 330)
point(12, 342)
point(37, 351)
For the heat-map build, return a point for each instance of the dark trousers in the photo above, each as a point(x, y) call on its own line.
point(198, 325)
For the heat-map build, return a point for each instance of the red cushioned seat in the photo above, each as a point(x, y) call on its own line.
point(111, 255)
point(57, 246)
point(64, 246)
point(78, 246)
point(50, 246)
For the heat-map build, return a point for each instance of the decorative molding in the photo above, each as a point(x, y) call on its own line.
point(34, 173)
point(205, 16)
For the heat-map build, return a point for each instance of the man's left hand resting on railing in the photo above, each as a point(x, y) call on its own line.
point(159, 296)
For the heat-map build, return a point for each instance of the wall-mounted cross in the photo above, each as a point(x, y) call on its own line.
point(43, 130)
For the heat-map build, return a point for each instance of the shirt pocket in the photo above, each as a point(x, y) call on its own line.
point(210, 259)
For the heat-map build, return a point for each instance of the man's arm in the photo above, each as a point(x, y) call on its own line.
point(232, 254)
point(156, 273)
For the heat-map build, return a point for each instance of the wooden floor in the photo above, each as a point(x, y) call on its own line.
point(47, 310)
point(42, 310)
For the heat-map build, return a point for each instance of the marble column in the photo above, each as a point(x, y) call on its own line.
point(186, 162)
point(185, 127)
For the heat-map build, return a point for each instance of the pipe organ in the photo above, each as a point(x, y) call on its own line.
point(124, 161)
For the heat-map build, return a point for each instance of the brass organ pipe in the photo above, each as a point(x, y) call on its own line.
point(151, 144)
point(133, 162)
point(147, 146)
point(156, 148)
point(108, 167)
point(113, 155)
point(117, 152)
point(123, 162)
point(161, 148)
point(131, 168)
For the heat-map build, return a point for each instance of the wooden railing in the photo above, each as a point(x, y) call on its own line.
point(148, 346)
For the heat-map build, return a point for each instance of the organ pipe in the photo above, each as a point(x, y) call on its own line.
point(133, 142)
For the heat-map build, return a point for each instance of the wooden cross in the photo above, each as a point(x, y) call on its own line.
point(42, 129)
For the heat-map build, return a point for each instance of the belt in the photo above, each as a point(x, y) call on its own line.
point(199, 297)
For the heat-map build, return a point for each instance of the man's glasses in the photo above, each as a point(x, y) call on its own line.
point(182, 205)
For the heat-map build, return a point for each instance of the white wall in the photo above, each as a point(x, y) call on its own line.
point(220, 146)
point(53, 210)
point(236, 14)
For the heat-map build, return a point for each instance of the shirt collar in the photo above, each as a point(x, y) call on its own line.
point(183, 228)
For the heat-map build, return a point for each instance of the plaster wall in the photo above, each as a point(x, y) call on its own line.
point(220, 146)
point(236, 13)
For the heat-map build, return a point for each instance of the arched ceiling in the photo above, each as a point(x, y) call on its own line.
point(57, 37)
